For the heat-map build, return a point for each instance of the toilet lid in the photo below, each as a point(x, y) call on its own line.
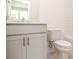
point(63, 43)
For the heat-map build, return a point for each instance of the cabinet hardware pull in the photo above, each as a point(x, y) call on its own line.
point(24, 42)
point(28, 41)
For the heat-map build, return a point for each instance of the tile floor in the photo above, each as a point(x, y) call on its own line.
point(55, 56)
point(52, 56)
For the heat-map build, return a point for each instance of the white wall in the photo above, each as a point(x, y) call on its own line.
point(68, 13)
point(52, 13)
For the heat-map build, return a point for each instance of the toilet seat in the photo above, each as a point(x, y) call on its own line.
point(63, 43)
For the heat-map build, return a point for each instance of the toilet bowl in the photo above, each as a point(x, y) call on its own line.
point(63, 45)
point(64, 48)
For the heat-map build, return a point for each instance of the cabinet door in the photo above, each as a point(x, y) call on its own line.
point(15, 47)
point(36, 46)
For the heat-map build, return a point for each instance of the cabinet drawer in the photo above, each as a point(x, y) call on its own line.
point(24, 29)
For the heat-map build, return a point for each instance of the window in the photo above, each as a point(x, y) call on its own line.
point(19, 9)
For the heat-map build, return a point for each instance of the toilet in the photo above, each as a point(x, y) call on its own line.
point(62, 46)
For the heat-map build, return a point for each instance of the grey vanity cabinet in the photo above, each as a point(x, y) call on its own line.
point(26, 41)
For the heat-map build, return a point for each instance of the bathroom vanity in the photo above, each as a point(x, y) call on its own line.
point(26, 41)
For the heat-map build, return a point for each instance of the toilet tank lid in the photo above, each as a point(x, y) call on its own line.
point(63, 43)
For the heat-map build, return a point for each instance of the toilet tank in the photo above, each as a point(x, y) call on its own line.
point(55, 34)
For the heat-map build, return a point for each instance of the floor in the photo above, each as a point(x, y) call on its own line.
point(52, 53)
point(52, 56)
point(55, 56)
